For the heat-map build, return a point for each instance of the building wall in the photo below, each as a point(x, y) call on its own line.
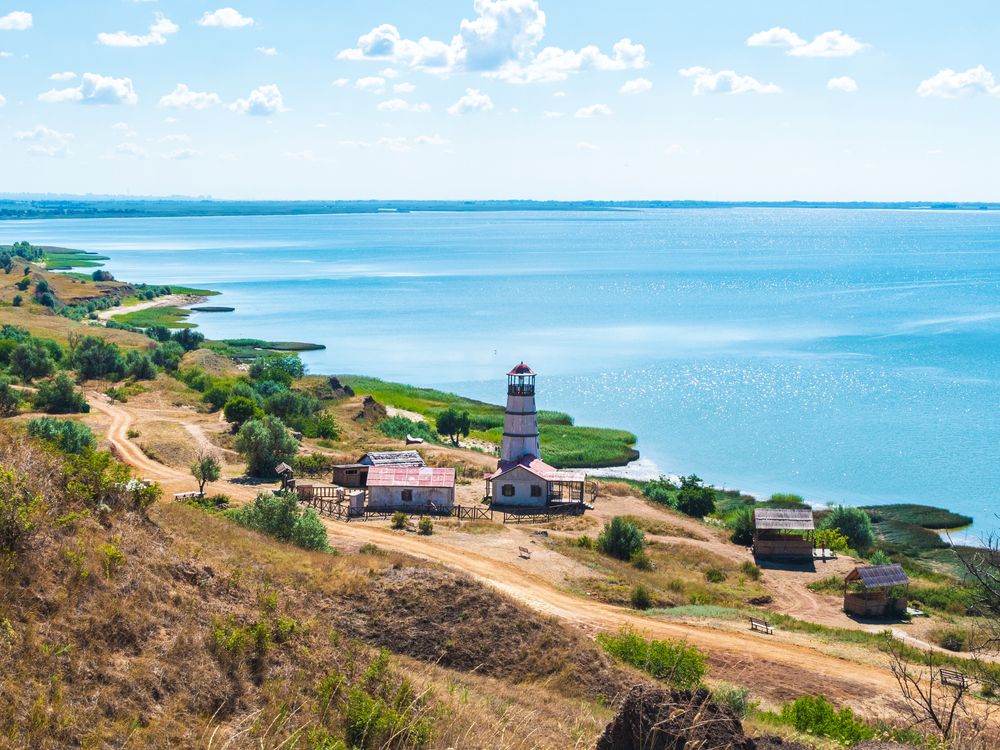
point(520, 419)
point(522, 481)
point(353, 477)
point(391, 498)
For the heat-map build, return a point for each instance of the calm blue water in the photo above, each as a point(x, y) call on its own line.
point(851, 356)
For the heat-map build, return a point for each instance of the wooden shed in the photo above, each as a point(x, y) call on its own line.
point(876, 591)
point(783, 533)
point(411, 489)
point(392, 458)
point(350, 475)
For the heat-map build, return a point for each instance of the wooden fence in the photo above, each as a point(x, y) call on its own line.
point(341, 510)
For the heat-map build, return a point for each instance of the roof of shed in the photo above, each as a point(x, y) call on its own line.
point(784, 519)
point(392, 458)
point(879, 576)
point(540, 469)
point(410, 476)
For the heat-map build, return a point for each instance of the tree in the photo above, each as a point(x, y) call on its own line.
point(265, 443)
point(60, 396)
point(853, 523)
point(139, 365)
point(206, 469)
point(741, 526)
point(65, 434)
point(239, 410)
point(100, 275)
point(168, 355)
point(696, 501)
point(187, 338)
point(621, 538)
point(282, 368)
point(10, 397)
point(31, 359)
point(280, 516)
point(18, 508)
point(94, 357)
point(453, 424)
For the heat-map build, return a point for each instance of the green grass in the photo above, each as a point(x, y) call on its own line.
point(64, 260)
point(925, 516)
point(249, 349)
point(169, 316)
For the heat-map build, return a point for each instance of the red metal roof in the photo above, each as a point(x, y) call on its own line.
point(540, 469)
point(410, 476)
point(521, 369)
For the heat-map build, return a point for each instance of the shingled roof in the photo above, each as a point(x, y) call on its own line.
point(540, 469)
point(392, 458)
point(410, 476)
point(879, 576)
point(783, 519)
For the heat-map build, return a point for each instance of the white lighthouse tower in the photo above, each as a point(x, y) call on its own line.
point(520, 422)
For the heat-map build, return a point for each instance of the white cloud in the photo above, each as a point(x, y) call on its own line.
point(225, 18)
point(389, 73)
point(95, 89)
point(340, 82)
point(46, 141)
point(501, 41)
point(707, 81)
point(17, 20)
point(593, 110)
point(132, 149)
point(842, 83)
point(374, 84)
point(68, 75)
point(636, 86)
point(404, 88)
point(159, 30)
point(124, 128)
point(55, 151)
point(550, 115)
point(181, 154)
point(950, 84)
point(585, 146)
point(183, 97)
point(401, 105)
point(3, 101)
point(5, 53)
point(267, 51)
point(473, 100)
point(828, 44)
point(262, 101)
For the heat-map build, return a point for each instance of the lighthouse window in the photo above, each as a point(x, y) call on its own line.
point(507, 490)
point(536, 491)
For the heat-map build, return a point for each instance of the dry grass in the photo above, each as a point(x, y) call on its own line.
point(167, 442)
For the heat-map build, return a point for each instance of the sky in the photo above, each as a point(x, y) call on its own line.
point(478, 99)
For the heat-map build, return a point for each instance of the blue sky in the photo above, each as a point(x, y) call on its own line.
point(454, 99)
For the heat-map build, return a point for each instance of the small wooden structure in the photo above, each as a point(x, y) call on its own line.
point(874, 591)
point(762, 626)
point(783, 533)
point(954, 678)
point(350, 475)
point(287, 475)
point(411, 489)
point(356, 474)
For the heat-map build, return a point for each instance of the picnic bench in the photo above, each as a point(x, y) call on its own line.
point(186, 495)
point(524, 552)
point(761, 625)
point(954, 678)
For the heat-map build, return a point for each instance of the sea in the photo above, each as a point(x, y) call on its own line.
point(847, 355)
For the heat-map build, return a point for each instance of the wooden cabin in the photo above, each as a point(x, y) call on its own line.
point(350, 475)
point(356, 474)
point(411, 489)
point(876, 591)
point(783, 533)
point(532, 483)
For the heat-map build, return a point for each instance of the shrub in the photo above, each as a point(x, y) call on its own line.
point(217, 396)
point(139, 365)
point(265, 443)
point(715, 575)
point(287, 404)
point(314, 464)
point(10, 397)
point(741, 526)
point(425, 525)
point(65, 434)
point(621, 538)
point(96, 358)
point(112, 558)
point(320, 425)
point(661, 491)
point(953, 638)
point(17, 301)
point(239, 410)
point(831, 539)
point(585, 542)
point(23, 284)
point(399, 520)
point(60, 396)
point(168, 355)
point(399, 427)
point(675, 662)
point(751, 570)
point(187, 338)
point(880, 558)
point(815, 715)
point(17, 513)
point(281, 368)
point(853, 523)
point(32, 359)
point(736, 698)
point(786, 500)
point(696, 502)
point(642, 561)
point(280, 516)
point(641, 598)
point(100, 275)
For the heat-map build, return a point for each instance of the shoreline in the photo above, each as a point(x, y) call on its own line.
point(168, 300)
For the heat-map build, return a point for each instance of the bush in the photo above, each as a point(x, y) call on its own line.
point(621, 538)
point(217, 396)
point(831, 539)
point(736, 698)
point(399, 520)
point(741, 526)
point(168, 355)
point(10, 397)
point(17, 513)
point(314, 464)
point(280, 516)
point(696, 502)
point(675, 662)
point(880, 558)
point(425, 525)
point(32, 359)
point(320, 425)
point(239, 410)
point(139, 365)
point(661, 491)
point(815, 715)
point(17, 301)
point(286, 404)
point(60, 396)
point(715, 575)
point(642, 561)
point(281, 368)
point(786, 500)
point(853, 523)
point(750, 570)
point(641, 598)
point(96, 358)
point(399, 427)
point(187, 338)
point(100, 275)
point(585, 542)
point(265, 443)
point(65, 434)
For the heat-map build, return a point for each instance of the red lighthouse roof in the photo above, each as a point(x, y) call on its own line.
point(521, 369)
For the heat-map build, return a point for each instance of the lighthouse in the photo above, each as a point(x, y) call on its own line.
point(520, 422)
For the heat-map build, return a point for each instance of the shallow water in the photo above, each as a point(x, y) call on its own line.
point(848, 355)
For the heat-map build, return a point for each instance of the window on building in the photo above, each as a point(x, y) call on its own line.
point(507, 490)
point(406, 496)
point(536, 490)
point(352, 471)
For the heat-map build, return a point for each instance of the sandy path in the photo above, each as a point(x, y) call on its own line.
point(177, 300)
